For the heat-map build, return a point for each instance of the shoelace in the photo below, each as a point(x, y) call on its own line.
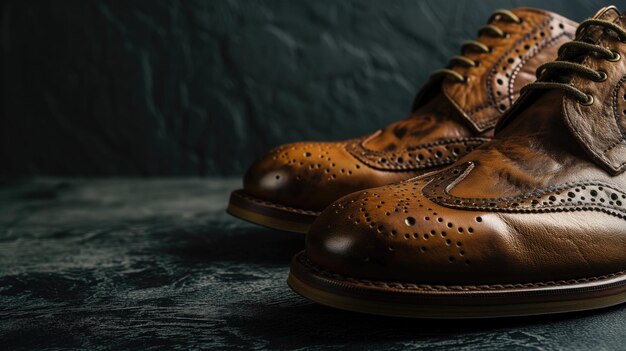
point(568, 52)
point(461, 60)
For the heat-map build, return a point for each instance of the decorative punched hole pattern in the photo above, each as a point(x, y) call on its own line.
point(584, 196)
point(410, 221)
point(404, 223)
point(314, 159)
point(415, 158)
point(502, 77)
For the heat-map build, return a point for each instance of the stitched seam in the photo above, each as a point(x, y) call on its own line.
point(491, 98)
point(493, 121)
point(426, 146)
point(597, 157)
point(611, 147)
point(491, 101)
point(365, 155)
point(429, 287)
point(490, 204)
point(617, 115)
point(274, 205)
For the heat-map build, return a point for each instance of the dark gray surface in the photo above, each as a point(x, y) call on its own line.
point(159, 87)
point(122, 264)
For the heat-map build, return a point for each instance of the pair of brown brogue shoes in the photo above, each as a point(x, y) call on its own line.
point(499, 195)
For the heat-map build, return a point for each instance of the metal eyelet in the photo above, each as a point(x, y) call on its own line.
point(602, 76)
point(616, 57)
point(589, 101)
point(466, 79)
point(477, 63)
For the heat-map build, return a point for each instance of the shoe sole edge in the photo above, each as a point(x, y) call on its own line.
point(452, 302)
point(268, 214)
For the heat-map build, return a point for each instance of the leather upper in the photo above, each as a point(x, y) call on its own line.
point(544, 200)
point(495, 84)
point(449, 120)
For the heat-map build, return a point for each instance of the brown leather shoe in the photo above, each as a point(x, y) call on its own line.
point(453, 114)
point(531, 222)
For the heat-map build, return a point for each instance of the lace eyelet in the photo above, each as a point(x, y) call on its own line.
point(466, 79)
point(506, 35)
point(602, 76)
point(616, 57)
point(589, 101)
point(477, 63)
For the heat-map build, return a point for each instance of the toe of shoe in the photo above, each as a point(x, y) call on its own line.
point(274, 175)
point(418, 232)
point(395, 233)
point(309, 175)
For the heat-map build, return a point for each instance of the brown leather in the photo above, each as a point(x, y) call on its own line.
point(449, 120)
point(544, 201)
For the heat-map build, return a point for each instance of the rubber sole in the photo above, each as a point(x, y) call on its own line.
point(453, 302)
point(268, 214)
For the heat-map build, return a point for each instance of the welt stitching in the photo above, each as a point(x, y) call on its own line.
point(429, 287)
point(277, 206)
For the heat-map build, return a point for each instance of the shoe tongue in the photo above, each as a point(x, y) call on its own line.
point(609, 13)
point(538, 117)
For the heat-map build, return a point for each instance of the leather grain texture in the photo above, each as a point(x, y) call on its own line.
point(534, 204)
point(450, 118)
point(148, 88)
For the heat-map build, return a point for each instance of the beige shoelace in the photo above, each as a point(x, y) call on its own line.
point(462, 60)
point(557, 74)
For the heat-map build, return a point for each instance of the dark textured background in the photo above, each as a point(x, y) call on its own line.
point(160, 88)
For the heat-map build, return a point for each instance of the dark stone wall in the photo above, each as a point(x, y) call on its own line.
point(152, 88)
